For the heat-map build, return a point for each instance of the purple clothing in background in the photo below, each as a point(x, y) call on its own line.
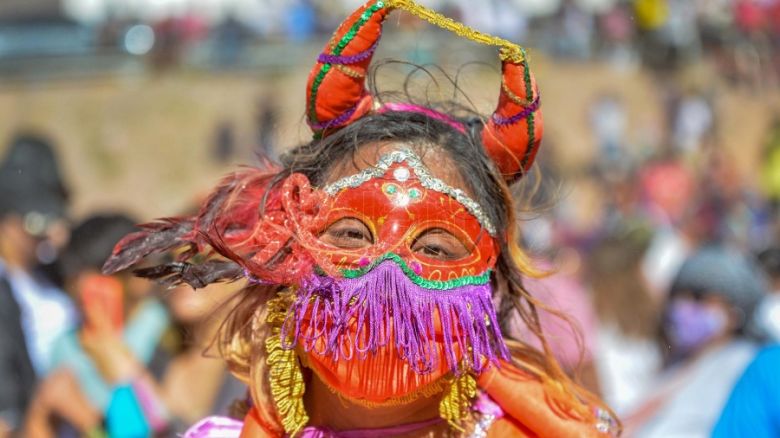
point(564, 293)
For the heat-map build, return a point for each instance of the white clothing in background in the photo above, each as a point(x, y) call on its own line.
point(626, 367)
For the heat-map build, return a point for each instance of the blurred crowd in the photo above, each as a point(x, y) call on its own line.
point(742, 34)
point(664, 256)
point(84, 354)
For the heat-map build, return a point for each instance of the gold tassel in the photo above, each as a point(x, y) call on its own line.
point(284, 372)
point(508, 51)
point(456, 404)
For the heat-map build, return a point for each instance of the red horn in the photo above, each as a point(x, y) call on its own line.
point(514, 131)
point(336, 92)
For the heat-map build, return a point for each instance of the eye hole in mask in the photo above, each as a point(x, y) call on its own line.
point(439, 244)
point(348, 233)
point(434, 243)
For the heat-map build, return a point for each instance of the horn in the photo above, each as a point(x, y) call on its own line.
point(513, 133)
point(336, 92)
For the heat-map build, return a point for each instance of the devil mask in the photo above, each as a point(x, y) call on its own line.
point(411, 292)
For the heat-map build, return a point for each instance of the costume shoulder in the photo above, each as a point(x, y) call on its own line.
point(529, 411)
point(215, 427)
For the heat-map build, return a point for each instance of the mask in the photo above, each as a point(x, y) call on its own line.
point(395, 305)
point(692, 325)
point(768, 316)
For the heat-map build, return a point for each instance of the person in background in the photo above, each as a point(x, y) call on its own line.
point(118, 309)
point(768, 313)
point(627, 351)
point(129, 368)
point(570, 339)
point(33, 311)
point(708, 322)
point(753, 408)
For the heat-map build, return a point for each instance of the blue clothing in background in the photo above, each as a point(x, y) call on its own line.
point(141, 334)
point(753, 409)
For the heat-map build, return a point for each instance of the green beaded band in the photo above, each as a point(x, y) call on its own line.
point(469, 280)
point(342, 44)
point(529, 93)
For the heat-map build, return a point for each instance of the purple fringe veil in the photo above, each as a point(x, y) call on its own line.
point(389, 309)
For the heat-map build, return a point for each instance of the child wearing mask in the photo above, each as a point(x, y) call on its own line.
point(711, 339)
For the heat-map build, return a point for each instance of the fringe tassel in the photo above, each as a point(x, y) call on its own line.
point(284, 372)
point(456, 404)
point(352, 318)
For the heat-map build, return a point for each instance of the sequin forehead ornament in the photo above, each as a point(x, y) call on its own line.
point(423, 174)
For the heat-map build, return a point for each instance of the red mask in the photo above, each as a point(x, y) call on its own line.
point(399, 202)
point(364, 325)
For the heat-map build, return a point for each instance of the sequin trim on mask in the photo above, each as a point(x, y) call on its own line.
point(426, 180)
point(470, 280)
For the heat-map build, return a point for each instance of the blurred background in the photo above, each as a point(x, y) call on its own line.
point(657, 208)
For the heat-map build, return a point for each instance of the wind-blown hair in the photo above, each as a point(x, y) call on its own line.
point(245, 202)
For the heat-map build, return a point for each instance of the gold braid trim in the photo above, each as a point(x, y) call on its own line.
point(514, 97)
point(456, 404)
point(349, 71)
point(284, 371)
point(509, 51)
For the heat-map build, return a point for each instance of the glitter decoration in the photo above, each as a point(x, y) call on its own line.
point(402, 200)
point(532, 143)
point(327, 58)
point(482, 426)
point(401, 174)
point(508, 51)
point(605, 423)
point(413, 274)
point(423, 174)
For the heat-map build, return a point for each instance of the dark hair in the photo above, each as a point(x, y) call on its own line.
point(92, 241)
point(620, 296)
point(770, 262)
point(30, 178)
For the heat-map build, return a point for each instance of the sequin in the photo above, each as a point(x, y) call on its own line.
point(482, 426)
point(401, 174)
